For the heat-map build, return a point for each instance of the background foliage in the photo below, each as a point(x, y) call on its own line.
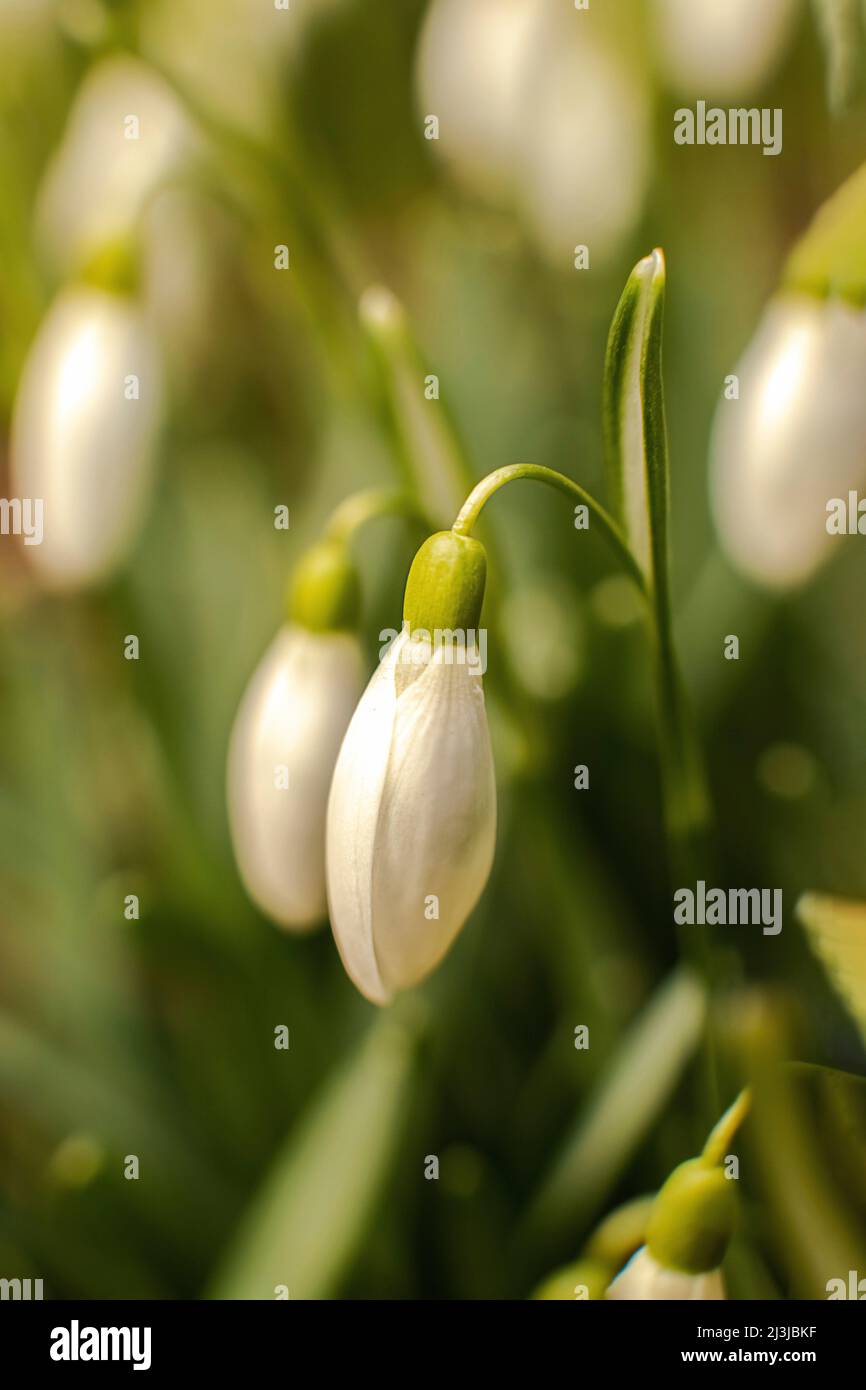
point(156, 1037)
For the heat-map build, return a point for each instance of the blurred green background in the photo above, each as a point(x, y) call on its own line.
point(155, 1037)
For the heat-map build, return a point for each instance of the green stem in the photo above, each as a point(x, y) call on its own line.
point(685, 800)
point(721, 1137)
point(368, 505)
point(423, 434)
point(514, 472)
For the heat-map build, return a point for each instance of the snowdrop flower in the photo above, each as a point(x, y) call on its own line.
point(690, 1226)
point(471, 70)
point(285, 741)
point(614, 1239)
point(534, 110)
point(794, 439)
point(645, 1277)
point(412, 812)
point(585, 113)
point(721, 48)
point(125, 134)
point(82, 432)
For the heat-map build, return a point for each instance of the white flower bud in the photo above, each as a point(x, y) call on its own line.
point(471, 74)
point(585, 114)
point(794, 439)
point(281, 758)
point(124, 135)
point(87, 404)
point(516, 86)
point(721, 48)
point(644, 1277)
point(411, 817)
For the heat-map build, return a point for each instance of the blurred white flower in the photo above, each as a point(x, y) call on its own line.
point(721, 48)
point(644, 1277)
point(99, 180)
point(411, 817)
point(534, 109)
point(584, 143)
point(471, 68)
point(80, 440)
point(283, 748)
point(794, 439)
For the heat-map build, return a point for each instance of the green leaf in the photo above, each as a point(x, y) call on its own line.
point(840, 23)
point(634, 417)
point(636, 453)
point(306, 1222)
point(838, 1100)
point(794, 1141)
point(836, 931)
point(422, 432)
point(829, 260)
point(620, 1111)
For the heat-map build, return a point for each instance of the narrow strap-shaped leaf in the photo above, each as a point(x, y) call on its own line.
point(422, 431)
point(305, 1223)
point(792, 1157)
point(636, 451)
point(634, 420)
point(841, 24)
point(836, 930)
point(631, 1093)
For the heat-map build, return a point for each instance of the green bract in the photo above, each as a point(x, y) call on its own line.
point(829, 260)
point(114, 268)
point(693, 1218)
point(445, 587)
point(325, 591)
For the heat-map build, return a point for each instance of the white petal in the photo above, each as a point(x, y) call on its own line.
point(576, 85)
point(293, 715)
point(795, 438)
point(513, 84)
point(77, 441)
point(644, 1278)
point(353, 809)
point(437, 820)
point(471, 65)
point(412, 817)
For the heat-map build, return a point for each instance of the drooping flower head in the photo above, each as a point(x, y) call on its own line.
point(82, 433)
point(690, 1225)
point(794, 438)
point(285, 739)
point(412, 812)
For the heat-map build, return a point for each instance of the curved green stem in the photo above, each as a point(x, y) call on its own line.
point(722, 1135)
point(367, 505)
point(483, 491)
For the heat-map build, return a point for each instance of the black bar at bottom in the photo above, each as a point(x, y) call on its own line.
point(162, 1339)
